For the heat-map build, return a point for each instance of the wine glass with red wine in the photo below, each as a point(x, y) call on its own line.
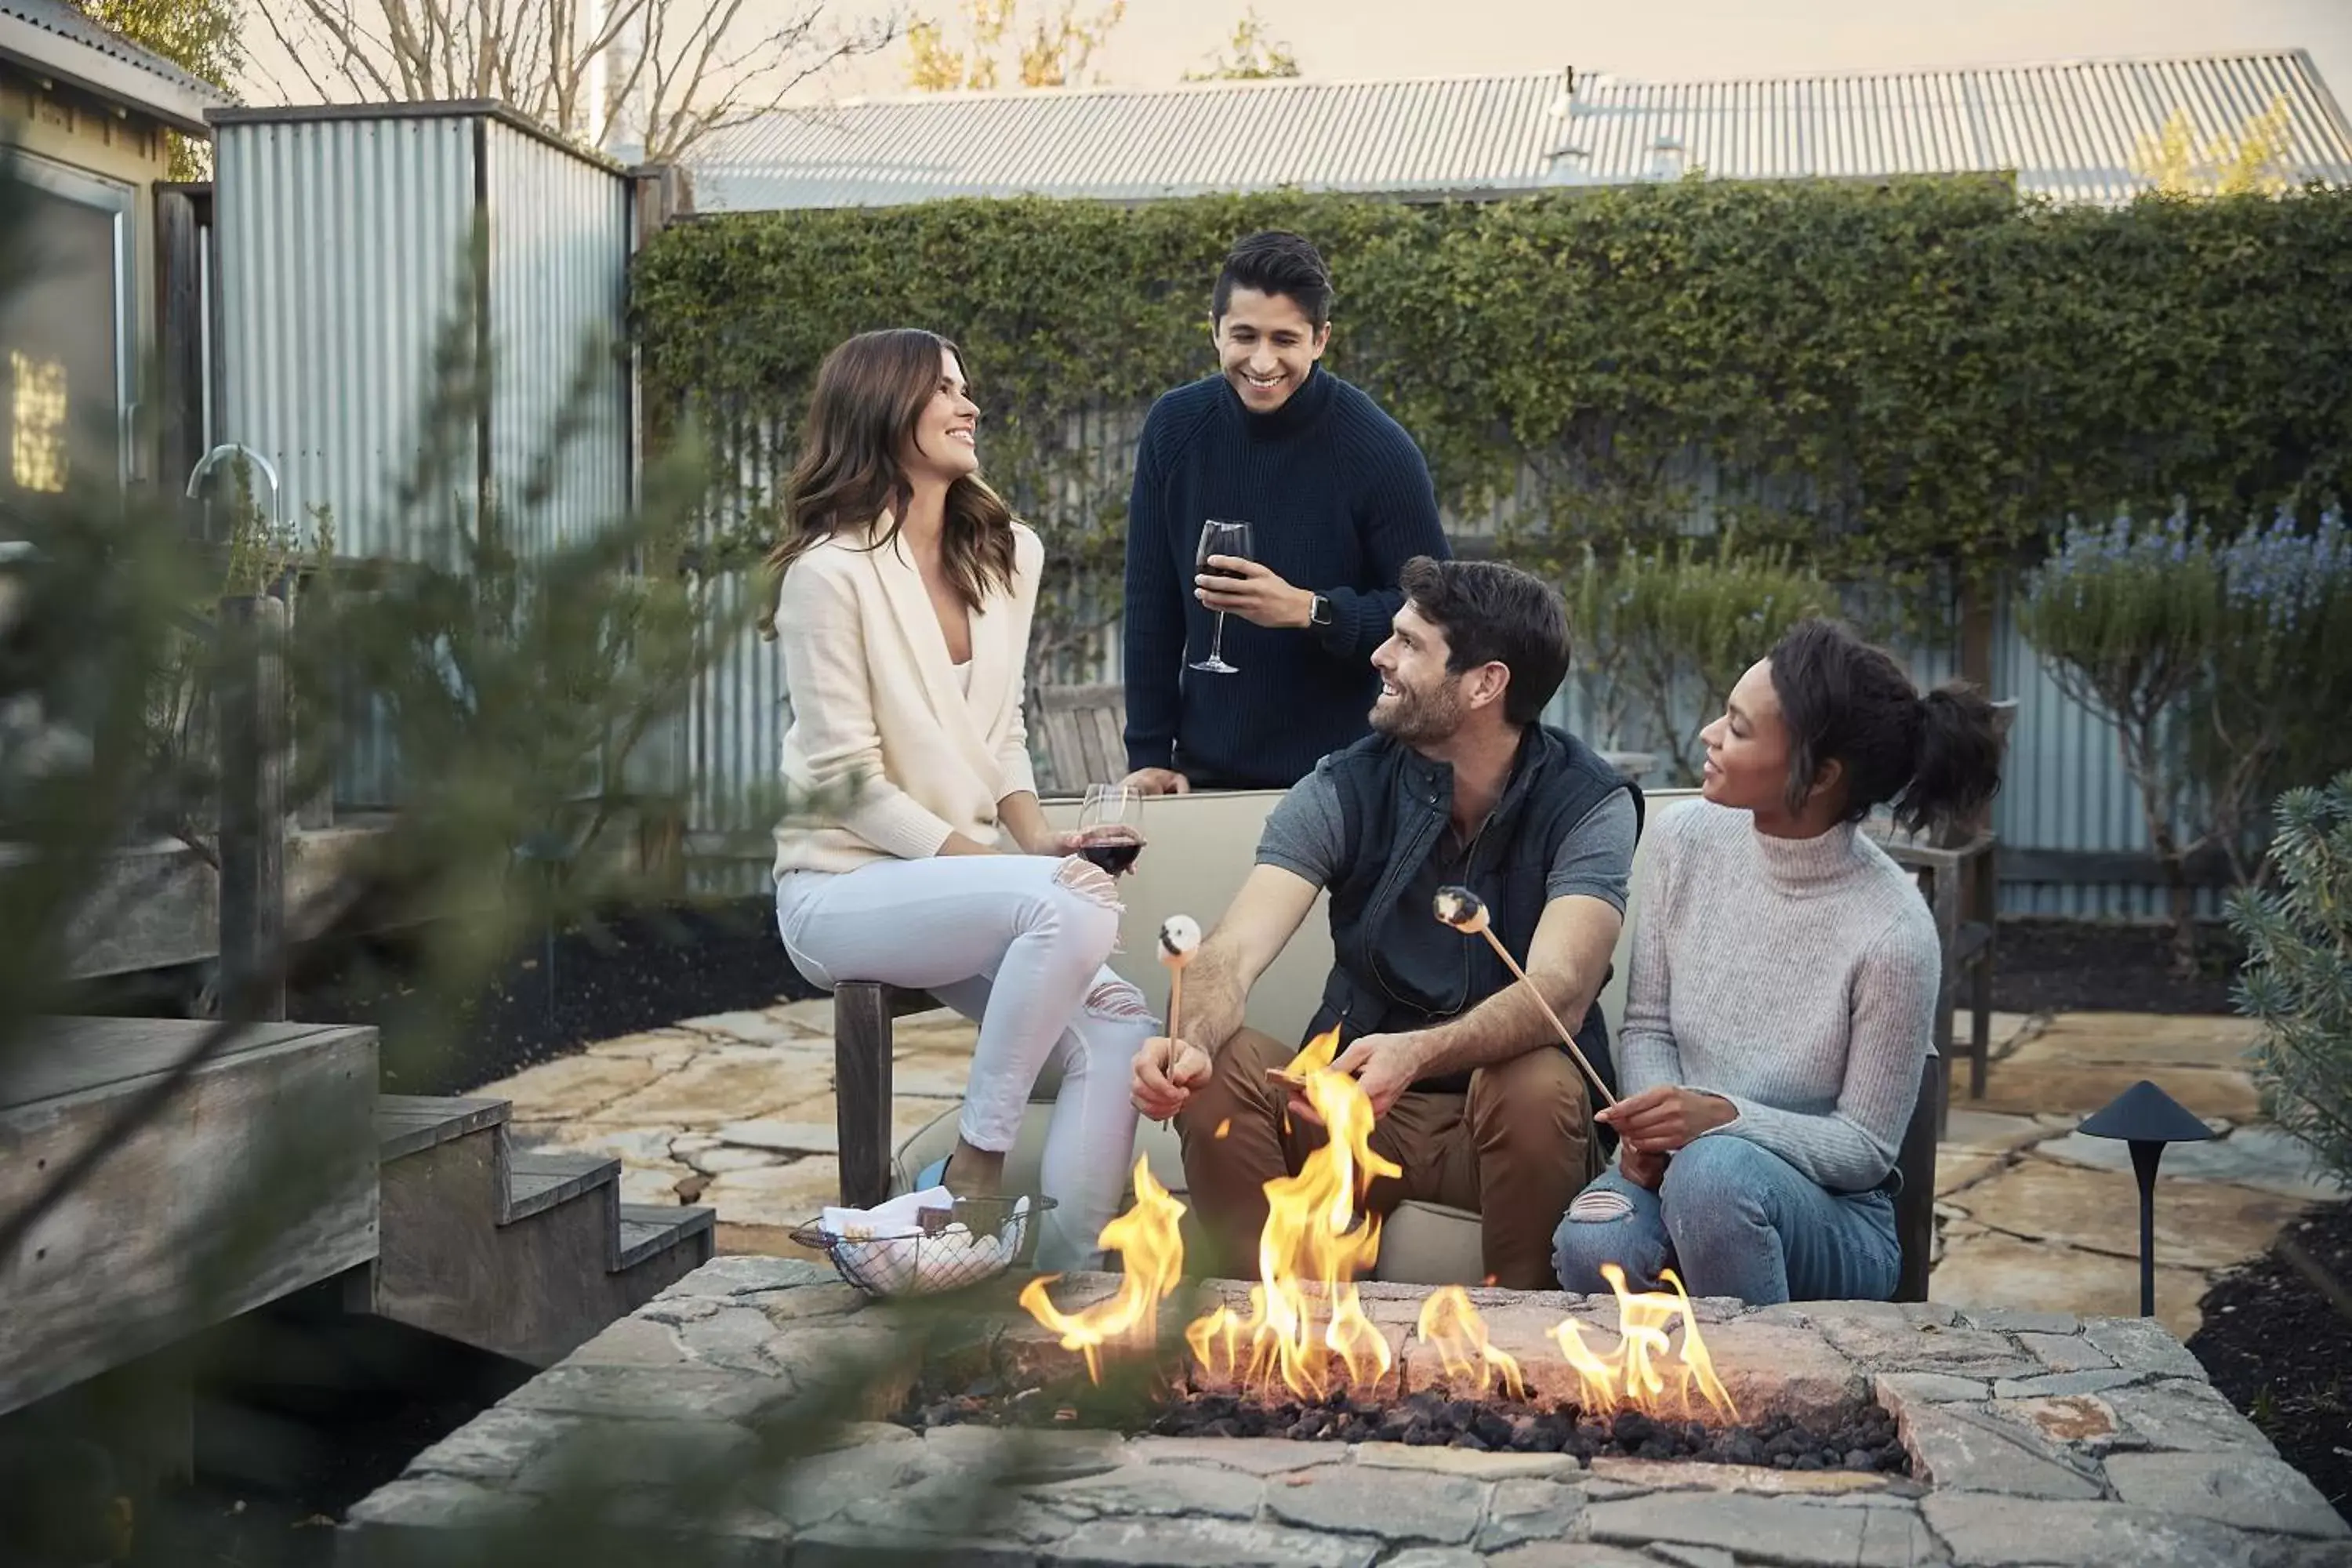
point(1110, 826)
point(1229, 539)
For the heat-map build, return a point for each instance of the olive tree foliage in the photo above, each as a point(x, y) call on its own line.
point(510, 684)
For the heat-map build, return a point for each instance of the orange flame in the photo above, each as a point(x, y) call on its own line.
point(1636, 1375)
point(1151, 1252)
point(1306, 1331)
point(1452, 1325)
point(1305, 1311)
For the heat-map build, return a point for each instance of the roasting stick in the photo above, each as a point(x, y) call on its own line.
point(1180, 938)
point(1467, 911)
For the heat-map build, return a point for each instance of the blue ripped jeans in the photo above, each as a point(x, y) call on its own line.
point(1731, 1219)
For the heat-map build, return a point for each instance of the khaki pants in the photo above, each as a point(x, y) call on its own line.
point(1514, 1150)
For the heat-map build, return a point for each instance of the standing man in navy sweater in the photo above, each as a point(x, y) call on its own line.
point(1339, 497)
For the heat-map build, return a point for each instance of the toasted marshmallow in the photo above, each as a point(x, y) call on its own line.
point(1180, 936)
point(1461, 909)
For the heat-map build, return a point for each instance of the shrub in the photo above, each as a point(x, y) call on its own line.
point(1666, 631)
point(2297, 982)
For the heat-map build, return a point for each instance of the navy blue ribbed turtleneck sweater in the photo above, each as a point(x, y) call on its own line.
point(1340, 500)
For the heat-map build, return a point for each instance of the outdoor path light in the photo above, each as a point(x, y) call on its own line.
point(2146, 1119)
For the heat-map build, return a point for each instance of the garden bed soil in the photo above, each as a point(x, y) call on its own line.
point(635, 972)
point(2281, 1351)
point(2043, 965)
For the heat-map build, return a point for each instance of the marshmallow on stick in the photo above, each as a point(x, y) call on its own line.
point(1465, 912)
point(1180, 938)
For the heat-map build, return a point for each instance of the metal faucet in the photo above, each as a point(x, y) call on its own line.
point(205, 466)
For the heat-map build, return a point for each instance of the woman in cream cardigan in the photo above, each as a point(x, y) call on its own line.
point(904, 594)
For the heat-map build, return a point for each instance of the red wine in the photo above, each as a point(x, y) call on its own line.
point(1115, 851)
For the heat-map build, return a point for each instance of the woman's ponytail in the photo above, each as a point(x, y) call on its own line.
point(1956, 767)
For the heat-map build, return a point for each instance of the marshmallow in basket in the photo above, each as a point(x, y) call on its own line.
point(890, 1250)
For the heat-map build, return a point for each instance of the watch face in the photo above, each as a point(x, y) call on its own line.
point(1318, 610)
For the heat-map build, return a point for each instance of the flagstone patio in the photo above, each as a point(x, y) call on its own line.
point(736, 1111)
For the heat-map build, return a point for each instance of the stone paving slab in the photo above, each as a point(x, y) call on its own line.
point(2147, 1043)
point(2199, 1225)
point(758, 1085)
point(2027, 1087)
point(2263, 1157)
point(690, 1391)
point(1990, 1267)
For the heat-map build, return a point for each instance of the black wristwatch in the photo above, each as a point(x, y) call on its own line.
point(1319, 612)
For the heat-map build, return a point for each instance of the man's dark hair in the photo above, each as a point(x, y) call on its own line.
point(1494, 613)
point(1276, 263)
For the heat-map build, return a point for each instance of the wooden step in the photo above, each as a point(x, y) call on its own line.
point(648, 1230)
point(538, 1179)
point(409, 1124)
point(104, 1278)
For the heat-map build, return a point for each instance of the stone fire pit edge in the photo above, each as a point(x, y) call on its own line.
point(2036, 1438)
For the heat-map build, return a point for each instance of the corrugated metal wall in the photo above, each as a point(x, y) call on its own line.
point(560, 228)
point(2065, 788)
point(343, 242)
point(342, 250)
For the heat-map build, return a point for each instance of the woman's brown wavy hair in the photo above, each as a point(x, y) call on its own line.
point(869, 393)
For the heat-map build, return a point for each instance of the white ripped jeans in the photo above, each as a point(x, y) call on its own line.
point(1010, 942)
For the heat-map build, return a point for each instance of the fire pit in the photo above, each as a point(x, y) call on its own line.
point(1303, 1354)
point(2030, 1438)
point(1306, 1418)
point(1487, 1372)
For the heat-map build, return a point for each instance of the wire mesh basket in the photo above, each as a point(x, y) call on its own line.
point(946, 1248)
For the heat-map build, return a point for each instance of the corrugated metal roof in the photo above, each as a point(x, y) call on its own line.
point(2070, 130)
point(1462, 133)
point(56, 17)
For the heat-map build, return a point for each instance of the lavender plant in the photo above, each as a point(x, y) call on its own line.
point(2219, 662)
point(2127, 618)
point(2281, 680)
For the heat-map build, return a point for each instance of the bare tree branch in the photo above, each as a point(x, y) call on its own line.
point(675, 72)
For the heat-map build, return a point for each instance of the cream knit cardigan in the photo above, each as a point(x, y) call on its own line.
point(880, 720)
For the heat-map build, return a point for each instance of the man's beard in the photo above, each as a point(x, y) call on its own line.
point(1419, 718)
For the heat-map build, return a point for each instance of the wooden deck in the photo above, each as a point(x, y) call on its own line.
point(275, 1165)
point(156, 905)
point(259, 1179)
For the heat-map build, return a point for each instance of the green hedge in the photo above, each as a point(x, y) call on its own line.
point(1892, 376)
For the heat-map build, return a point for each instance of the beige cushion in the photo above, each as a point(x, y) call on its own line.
point(1429, 1244)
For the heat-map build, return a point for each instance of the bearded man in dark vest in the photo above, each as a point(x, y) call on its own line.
point(1460, 783)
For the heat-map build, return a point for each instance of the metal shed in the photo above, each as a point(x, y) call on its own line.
point(342, 236)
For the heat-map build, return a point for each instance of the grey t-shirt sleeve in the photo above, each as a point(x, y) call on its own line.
point(1596, 858)
point(1306, 833)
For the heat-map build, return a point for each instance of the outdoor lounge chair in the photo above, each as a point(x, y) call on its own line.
point(1423, 1243)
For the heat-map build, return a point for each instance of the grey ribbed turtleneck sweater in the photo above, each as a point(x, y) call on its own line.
point(1795, 977)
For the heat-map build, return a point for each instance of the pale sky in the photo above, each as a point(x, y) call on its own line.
point(1340, 40)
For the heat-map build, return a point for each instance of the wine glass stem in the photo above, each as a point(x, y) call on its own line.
point(1217, 640)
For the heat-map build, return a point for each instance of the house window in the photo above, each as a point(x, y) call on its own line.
point(36, 439)
point(65, 366)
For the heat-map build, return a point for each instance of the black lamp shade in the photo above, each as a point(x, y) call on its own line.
point(2145, 1114)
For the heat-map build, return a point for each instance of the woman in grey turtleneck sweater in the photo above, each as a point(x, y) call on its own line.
point(1783, 987)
